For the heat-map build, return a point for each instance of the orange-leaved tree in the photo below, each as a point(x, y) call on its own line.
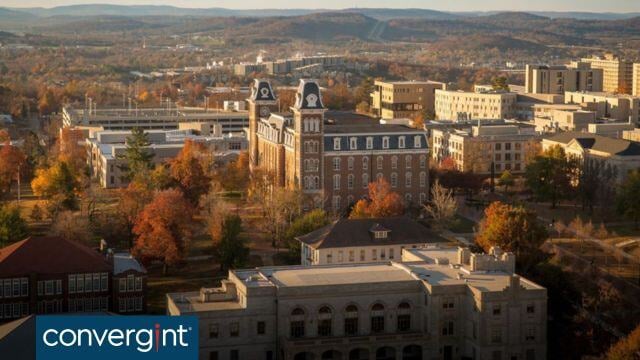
point(12, 160)
point(382, 202)
point(188, 171)
point(513, 228)
point(164, 228)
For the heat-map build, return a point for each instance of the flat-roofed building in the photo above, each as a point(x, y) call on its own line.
point(351, 241)
point(478, 148)
point(620, 107)
point(464, 105)
point(617, 74)
point(404, 99)
point(151, 118)
point(546, 79)
point(635, 88)
point(433, 304)
point(610, 129)
point(107, 148)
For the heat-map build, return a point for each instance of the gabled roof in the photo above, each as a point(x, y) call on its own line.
point(49, 255)
point(358, 232)
point(598, 143)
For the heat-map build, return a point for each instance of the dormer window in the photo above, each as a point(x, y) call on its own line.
point(380, 232)
point(353, 143)
point(401, 140)
point(385, 142)
point(369, 143)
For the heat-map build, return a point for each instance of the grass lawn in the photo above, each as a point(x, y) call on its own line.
point(462, 225)
point(188, 277)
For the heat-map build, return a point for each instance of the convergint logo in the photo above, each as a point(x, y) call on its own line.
point(116, 337)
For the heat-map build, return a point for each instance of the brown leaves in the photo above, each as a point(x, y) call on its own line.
point(382, 202)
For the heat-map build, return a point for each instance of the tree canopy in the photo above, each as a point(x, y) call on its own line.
point(382, 202)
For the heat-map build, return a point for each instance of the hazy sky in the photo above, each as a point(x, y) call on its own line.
point(455, 5)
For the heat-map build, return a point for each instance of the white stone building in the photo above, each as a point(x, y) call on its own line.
point(434, 304)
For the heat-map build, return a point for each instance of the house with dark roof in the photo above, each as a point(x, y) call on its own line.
point(48, 275)
point(347, 241)
point(620, 155)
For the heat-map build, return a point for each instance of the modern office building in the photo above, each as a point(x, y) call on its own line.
point(478, 148)
point(618, 107)
point(617, 74)
point(333, 156)
point(433, 304)
point(579, 76)
point(465, 105)
point(291, 65)
point(352, 241)
point(48, 275)
point(404, 99)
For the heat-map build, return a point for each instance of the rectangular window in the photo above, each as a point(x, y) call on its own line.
point(391, 254)
point(374, 254)
point(16, 287)
point(138, 283)
point(353, 143)
point(130, 283)
point(351, 255)
point(336, 143)
point(24, 287)
point(104, 281)
point(234, 355)
point(79, 283)
point(87, 282)
point(261, 328)
point(531, 309)
point(234, 329)
point(362, 255)
point(369, 143)
point(58, 287)
point(496, 335)
point(72, 284)
point(7, 288)
point(213, 355)
point(401, 142)
point(385, 142)
point(496, 310)
point(530, 334)
point(48, 290)
point(213, 331)
point(122, 285)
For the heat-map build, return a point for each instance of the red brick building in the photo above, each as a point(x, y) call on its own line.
point(46, 275)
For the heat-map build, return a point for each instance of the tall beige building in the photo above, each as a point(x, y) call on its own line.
point(404, 99)
point(619, 107)
point(463, 105)
point(636, 80)
point(579, 76)
point(507, 147)
point(617, 73)
point(433, 304)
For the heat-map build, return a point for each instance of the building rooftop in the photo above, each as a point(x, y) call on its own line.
point(50, 255)
point(598, 143)
point(360, 232)
point(123, 262)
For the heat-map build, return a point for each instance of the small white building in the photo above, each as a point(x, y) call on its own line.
point(349, 241)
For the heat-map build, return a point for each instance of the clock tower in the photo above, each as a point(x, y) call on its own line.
point(262, 102)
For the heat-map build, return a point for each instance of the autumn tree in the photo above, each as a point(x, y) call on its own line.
point(628, 199)
point(71, 151)
point(12, 161)
point(506, 179)
point(513, 228)
point(164, 229)
point(12, 226)
point(214, 211)
point(187, 170)
point(230, 250)
point(58, 185)
point(597, 183)
point(137, 160)
point(550, 175)
point(131, 201)
point(442, 206)
point(626, 348)
point(234, 176)
point(382, 202)
point(70, 226)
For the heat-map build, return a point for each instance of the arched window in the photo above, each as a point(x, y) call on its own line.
point(365, 180)
point(350, 180)
point(407, 179)
point(394, 162)
point(324, 321)
point(379, 162)
point(336, 182)
point(296, 324)
point(336, 163)
point(394, 179)
point(407, 161)
point(351, 320)
point(350, 163)
point(365, 163)
point(423, 161)
point(377, 318)
point(423, 179)
point(404, 317)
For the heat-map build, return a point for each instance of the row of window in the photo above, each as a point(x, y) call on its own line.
point(362, 255)
point(18, 287)
point(49, 287)
point(297, 323)
point(353, 142)
point(234, 329)
point(337, 162)
point(130, 304)
point(92, 304)
point(130, 283)
point(14, 310)
point(81, 283)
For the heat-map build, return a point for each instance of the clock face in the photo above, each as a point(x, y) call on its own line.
point(264, 111)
